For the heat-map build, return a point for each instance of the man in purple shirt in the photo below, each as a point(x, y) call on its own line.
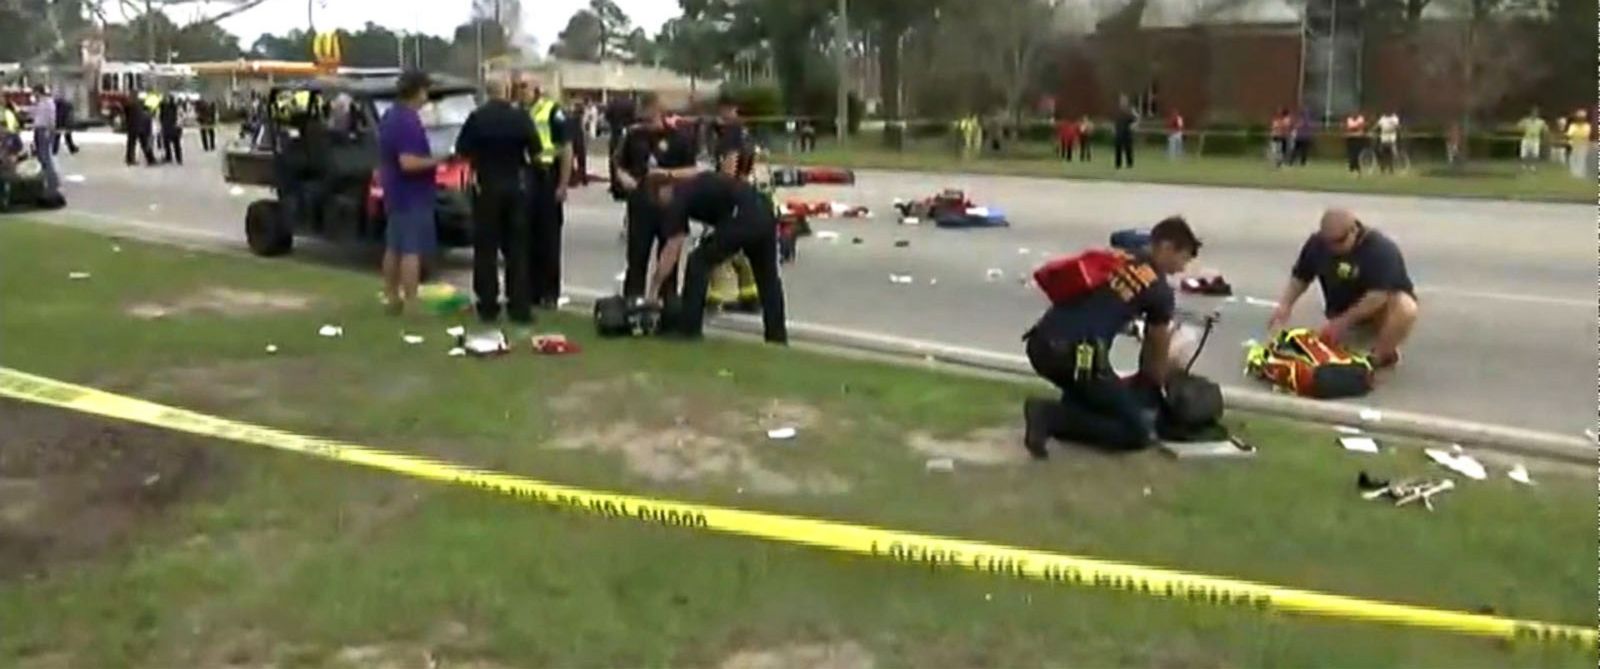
point(406, 173)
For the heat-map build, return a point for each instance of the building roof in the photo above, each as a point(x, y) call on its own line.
point(621, 77)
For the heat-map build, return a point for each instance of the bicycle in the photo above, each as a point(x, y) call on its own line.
point(1369, 160)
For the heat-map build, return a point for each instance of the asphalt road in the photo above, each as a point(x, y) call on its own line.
point(1508, 333)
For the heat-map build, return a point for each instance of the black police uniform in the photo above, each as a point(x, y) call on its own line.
point(1070, 347)
point(644, 148)
point(544, 265)
point(741, 221)
point(136, 123)
point(499, 140)
point(171, 131)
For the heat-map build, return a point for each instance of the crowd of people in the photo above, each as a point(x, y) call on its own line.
point(521, 147)
point(160, 117)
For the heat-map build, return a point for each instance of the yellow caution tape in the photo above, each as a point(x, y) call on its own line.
point(920, 549)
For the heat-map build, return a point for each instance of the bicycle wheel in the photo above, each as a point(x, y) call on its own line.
point(1368, 161)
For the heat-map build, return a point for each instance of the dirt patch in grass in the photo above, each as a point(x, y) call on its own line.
point(988, 446)
point(683, 453)
point(73, 487)
point(678, 439)
point(844, 655)
point(230, 302)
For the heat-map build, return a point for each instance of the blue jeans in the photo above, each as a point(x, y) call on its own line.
point(44, 140)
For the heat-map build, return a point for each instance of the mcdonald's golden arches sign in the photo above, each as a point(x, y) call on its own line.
point(325, 49)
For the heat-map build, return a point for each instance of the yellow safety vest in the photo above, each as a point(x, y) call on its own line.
point(541, 113)
point(8, 121)
point(152, 101)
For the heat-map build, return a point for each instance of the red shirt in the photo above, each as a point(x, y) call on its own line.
point(1066, 129)
point(1175, 123)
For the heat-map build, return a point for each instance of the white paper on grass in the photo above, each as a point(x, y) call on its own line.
point(782, 433)
point(456, 331)
point(77, 276)
point(1462, 464)
point(331, 331)
point(1359, 444)
point(1519, 473)
point(413, 339)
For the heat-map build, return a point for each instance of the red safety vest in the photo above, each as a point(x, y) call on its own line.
point(1355, 126)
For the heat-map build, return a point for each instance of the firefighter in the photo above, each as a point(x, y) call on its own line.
point(650, 157)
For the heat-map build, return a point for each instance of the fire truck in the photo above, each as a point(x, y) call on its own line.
point(15, 89)
point(118, 81)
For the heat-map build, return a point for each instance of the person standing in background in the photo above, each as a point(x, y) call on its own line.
point(499, 140)
point(1355, 140)
point(1066, 137)
point(1175, 135)
point(1280, 129)
point(1122, 138)
point(552, 175)
point(205, 112)
point(406, 169)
point(579, 132)
point(1303, 127)
point(44, 137)
point(1085, 137)
point(1388, 141)
point(136, 125)
point(1578, 144)
point(64, 126)
point(171, 130)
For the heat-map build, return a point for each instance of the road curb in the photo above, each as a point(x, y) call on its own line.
point(1575, 449)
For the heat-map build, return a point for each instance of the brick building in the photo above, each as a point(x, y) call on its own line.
point(1243, 60)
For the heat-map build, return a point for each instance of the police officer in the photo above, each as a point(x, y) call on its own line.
point(651, 156)
point(136, 123)
point(1070, 347)
point(552, 173)
point(500, 142)
point(171, 131)
point(741, 221)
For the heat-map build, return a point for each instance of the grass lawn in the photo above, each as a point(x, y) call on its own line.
point(1497, 179)
point(223, 555)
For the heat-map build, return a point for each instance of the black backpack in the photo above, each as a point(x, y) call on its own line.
point(1192, 410)
point(617, 316)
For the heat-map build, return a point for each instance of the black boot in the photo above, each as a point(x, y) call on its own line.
point(1036, 431)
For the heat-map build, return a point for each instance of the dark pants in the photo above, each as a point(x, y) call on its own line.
point(1083, 150)
point(65, 133)
point(1282, 146)
point(1302, 150)
point(1353, 146)
point(758, 241)
point(646, 239)
point(500, 230)
point(141, 139)
point(544, 238)
point(1386, 157)
point(172, 145)
point(208, 138)
point(1123, 147)
point(1096, 408)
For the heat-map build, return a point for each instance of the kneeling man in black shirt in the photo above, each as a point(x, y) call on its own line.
point(741, 221)
point(1364, 285)
point(1070, 347)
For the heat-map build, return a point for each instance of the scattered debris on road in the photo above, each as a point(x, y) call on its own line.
point(995, 274)
point(900, 278)
point(1372, 415)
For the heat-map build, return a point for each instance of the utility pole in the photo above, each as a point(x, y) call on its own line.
point(841, 42)
point(149, 32)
